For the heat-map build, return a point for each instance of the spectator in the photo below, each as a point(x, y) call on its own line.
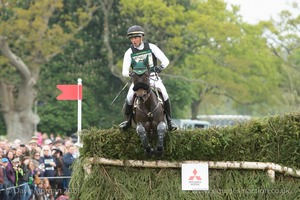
point(58, 154)
point(25, 191)
point(3, 147)
point(38, 164)
point(36, 159)
point(24, 149)
point(18, 169)
point(39, 138)
point(18, 174)
point(33, 147)
point(33, 178)
point(48, 192)
point(68, 160)
point(52, 137)
point(1, 153)
point(45, 136)
point(10, 172)
point(49, 162)
point(19, 153)
point(63, 149)
point(68, 143)
point(1, 179)
point(13, 148)
point(58, 137)
point(39, 191)
point(65, 196)
point(10, 192)
point(58, 143)
point(49, 143)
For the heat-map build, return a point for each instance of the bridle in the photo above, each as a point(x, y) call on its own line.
point(151, 112)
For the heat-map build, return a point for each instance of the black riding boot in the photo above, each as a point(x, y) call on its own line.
point(167, 106)
point(128, 114)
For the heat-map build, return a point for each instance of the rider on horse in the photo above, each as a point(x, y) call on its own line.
point(139, 50)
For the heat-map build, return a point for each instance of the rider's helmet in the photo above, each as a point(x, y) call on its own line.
point(135, 31)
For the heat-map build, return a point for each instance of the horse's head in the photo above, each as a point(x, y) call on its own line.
point(140, 79)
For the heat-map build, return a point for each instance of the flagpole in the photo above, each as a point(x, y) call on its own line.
point(79, 117)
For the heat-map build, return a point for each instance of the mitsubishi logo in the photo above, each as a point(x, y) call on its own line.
point(195, 173)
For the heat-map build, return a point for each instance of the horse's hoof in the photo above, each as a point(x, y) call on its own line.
point(159, 151)
point(149, 151)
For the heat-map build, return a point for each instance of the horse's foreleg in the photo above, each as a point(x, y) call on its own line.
point(161, 129)
point(140, 129)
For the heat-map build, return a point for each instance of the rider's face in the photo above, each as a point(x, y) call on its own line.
point(136, 41)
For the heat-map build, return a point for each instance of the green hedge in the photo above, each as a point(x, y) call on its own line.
point(272, 139)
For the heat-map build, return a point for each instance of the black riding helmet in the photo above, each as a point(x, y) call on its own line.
point(135, 31)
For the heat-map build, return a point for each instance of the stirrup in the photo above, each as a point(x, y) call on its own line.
point(124, 125)
point(172, 126)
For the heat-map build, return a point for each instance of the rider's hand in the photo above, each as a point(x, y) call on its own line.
point(158, 69)
point(131, 74)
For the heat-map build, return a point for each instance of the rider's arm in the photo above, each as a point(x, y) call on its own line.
point(126, 63)
point(159, 55)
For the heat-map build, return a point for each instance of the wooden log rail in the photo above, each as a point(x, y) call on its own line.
point(270, 168)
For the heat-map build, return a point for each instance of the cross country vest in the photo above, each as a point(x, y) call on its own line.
point(140, 55)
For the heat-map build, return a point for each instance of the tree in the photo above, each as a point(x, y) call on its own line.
point(212, 49)
point(95, 60)
point(32, 32)
point(284, 41)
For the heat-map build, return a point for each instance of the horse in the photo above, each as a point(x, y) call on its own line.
point(148, 109)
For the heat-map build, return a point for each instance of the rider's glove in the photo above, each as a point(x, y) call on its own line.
point(158, 69)
point(131, 74)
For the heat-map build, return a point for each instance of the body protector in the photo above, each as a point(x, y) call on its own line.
point(155, 81)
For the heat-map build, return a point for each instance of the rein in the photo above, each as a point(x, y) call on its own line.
point(150, 114)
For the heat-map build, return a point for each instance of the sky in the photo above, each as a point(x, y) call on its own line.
point(254, 11)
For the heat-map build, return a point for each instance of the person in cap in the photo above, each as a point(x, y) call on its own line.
point(8, 193)
point(4, 160)
point(140, 50)
point(32, 147)
point(49, 143)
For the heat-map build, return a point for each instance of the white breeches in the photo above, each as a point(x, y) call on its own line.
point(154, 83)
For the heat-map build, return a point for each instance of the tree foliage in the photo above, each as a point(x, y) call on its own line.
point(29, 37)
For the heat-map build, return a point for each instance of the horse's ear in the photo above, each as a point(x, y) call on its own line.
point(133, 62)
point(146, 61)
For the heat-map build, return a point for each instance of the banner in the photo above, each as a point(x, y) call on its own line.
point(194, 176)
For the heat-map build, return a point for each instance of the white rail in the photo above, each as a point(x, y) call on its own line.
point(270, 168)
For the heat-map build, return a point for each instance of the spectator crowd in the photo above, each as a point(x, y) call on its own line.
point(37, 170)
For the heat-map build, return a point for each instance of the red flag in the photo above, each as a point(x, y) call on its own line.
point(70, 92)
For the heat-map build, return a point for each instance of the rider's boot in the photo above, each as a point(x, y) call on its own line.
point(128, 114)
point(171, 126)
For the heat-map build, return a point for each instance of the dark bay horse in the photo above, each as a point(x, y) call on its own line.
point(148, 109)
